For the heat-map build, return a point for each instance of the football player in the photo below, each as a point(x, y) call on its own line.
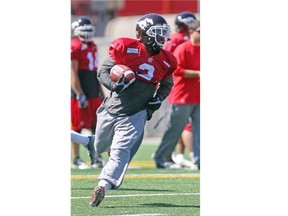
point(185, 22)
point(123, 114)
point(85, 88)
point(185, 94)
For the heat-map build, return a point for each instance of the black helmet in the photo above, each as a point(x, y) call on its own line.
point(152, 30)
point(83, 28)
point(186, 20)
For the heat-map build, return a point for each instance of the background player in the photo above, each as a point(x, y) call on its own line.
point(184, 99)
point(85, 88)
point(184, 22)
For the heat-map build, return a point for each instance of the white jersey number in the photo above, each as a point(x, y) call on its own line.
point(149, 68)
point(93, 63)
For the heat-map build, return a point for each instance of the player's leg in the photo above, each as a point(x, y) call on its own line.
point(79, 138)
point(136, 146)
point(104, 130)
point(128, 131)
point(78, 162)
point(195, 116)
point(187, 137)
point(185, 142)
point(176, 122)
point(95, 103)
point(88, 142)
point(77, 124)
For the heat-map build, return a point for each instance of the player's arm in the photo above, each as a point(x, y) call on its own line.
point(165, 87)
point(188, 73)
point(161, 93)
point(104, 74)
point(76, 86)
point(75, 82)
point(166, 83)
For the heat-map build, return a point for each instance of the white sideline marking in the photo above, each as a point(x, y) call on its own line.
point(142, 195)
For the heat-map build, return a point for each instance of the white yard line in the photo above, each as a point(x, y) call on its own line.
point(142, 195)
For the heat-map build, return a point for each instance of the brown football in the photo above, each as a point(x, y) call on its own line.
point(118, 70)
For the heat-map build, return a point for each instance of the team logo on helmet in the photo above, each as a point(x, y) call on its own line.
point(143, 24)
point(186, 20)
point(76, 23)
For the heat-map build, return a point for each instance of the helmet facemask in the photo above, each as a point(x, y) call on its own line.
point(85, 33)
point(158, 35)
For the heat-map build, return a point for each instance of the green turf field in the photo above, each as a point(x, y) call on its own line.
point(146, 191)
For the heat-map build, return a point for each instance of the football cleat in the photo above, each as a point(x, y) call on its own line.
point(167, 165)
point(99, 162)
point(79, 163)
point(97, 196)
point(180, 160)
point(91, 150)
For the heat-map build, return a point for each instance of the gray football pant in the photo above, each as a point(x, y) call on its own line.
point(178, 118)
point(123, 135)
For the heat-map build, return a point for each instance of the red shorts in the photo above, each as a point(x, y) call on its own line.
point(188, 126)
point(84, 118)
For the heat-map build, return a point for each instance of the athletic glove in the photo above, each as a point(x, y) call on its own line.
point(120, 85)
point(82, 101)
point(154, 104)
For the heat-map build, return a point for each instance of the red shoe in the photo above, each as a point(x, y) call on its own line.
point(97, 196)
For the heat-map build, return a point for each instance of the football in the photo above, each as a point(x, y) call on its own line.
point(118, 70)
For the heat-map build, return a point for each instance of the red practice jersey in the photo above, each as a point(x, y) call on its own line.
point(133, 54)
point(176, 39)
point(85, 54)
point(87, 57)
point(186, 90)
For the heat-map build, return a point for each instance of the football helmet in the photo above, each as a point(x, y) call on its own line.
point(83, 29)
point(186, 20)
point(153, 30)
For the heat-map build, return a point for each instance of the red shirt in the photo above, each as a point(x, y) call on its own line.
point(186, 90)
point(133, 54)
point(176, 39)
point(85, 54)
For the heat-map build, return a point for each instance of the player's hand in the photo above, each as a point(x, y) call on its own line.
point(154, 104)
point(82, 101)
point(149, 114)
point(121, 85)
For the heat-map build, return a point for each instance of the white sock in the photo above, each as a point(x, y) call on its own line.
point(191, 154)
point(105, 185)
point(180, 156)
point(79, 138)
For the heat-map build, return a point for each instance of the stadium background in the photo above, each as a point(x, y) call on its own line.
point(117, 18)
